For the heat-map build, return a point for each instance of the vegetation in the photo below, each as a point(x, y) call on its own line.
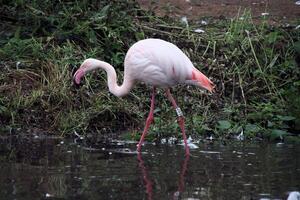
point(42, 43)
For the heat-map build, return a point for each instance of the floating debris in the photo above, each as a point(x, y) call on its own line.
point(18, 64)
point(279, 144)
point(90, 149)
point(210, 138)
point(193, 146)
point(203, 22)
point(210, 152)
point(123, 142)
point(297, 27)
point(121, 151)
point(265, 194)
point(170, 140)
point(297, 3)
point(241, 136)
point(190, 139)
point(295, 195)
point(184, 20)
point(47, 195)
point(79, 136)
point(199, 30)
point(163, 141)
point(265, 14)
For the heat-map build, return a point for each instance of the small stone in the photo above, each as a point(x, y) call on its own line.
point(199, 30)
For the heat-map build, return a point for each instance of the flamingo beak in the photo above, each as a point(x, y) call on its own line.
point(202, 81)
point(208, 85)
point(78, 75)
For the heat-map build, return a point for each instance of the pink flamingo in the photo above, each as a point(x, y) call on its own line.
point(154, 62)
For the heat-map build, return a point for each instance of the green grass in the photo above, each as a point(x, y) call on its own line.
point(252, 64)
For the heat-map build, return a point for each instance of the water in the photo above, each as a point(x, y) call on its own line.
point(50, 168)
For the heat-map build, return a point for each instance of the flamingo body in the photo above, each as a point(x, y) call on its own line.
point(158, 63)
point(155, 62)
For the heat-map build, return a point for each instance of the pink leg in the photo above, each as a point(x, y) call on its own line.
point(180, 119)
point(148, 121)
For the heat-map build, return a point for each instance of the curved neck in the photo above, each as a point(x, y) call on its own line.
point(119, 91)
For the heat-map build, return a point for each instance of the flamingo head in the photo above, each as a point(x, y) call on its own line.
point(78, 75)
point(87, 65)
point(82, 70)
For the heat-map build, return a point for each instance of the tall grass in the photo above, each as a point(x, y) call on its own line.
point(252, 64)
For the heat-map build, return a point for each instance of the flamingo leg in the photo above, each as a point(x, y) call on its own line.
point(180, 120)
point(148, 121)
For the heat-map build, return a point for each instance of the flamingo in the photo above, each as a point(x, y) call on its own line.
point(157, 63)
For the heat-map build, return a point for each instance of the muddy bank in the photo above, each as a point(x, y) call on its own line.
point(277, 11)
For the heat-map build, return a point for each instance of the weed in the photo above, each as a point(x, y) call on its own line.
point(253, 66)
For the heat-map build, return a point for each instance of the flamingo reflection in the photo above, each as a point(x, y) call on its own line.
point(148, 183)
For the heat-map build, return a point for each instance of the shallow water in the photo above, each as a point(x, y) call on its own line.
point(51, 168)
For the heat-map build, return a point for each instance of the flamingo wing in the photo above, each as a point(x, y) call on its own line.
point(158, 63)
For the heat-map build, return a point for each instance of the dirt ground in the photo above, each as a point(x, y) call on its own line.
point(278, 10)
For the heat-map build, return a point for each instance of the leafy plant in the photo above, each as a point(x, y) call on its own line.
point(253, 65)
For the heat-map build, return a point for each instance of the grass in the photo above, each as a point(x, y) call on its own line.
point(253, 66)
